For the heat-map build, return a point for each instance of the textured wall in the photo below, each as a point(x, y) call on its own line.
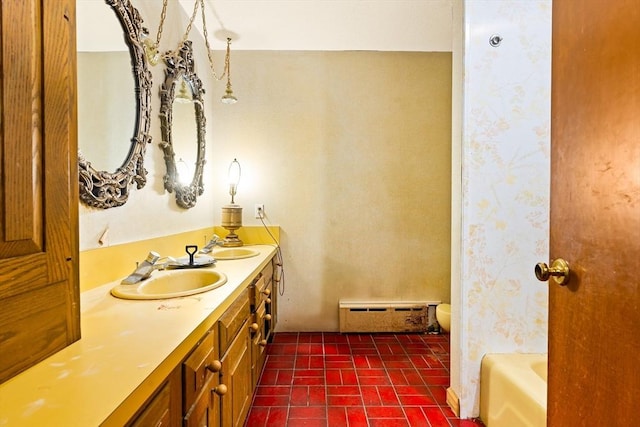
point(505, 186)
point(350, 153)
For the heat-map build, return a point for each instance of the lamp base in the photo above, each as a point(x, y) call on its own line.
point(232, 220)
point(232, 240)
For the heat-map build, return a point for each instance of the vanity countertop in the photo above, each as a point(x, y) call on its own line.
point(126, 350)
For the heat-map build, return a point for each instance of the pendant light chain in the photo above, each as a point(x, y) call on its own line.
point(163, 17)
point(206, 42)
point(196, 5)
point(153, 55)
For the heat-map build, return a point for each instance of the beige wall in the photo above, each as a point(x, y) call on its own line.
point(350, 153)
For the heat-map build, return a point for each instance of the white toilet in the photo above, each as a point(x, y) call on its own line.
point(443, 316)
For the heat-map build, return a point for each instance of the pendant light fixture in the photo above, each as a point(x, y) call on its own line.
point(228, 97)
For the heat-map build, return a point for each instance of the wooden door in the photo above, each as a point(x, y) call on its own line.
point(39, 295)
point(594, 321)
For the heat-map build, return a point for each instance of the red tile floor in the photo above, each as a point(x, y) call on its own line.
point(368, 380)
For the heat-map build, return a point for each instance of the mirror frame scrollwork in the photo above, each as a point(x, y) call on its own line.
point(180, 65)
point(104, 189)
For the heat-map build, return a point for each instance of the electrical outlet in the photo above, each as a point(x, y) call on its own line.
point(259, 210)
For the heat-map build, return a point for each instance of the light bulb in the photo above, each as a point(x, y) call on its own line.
point(233, 178)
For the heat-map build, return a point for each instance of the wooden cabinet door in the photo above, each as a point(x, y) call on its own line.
point(236, 375)
point(205, 412)
point(200, 381)
point(39, 292)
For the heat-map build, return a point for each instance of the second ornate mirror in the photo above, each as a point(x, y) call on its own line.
point(182, 124)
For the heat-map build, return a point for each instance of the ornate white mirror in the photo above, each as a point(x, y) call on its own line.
point(182, 124)
point(114, 102)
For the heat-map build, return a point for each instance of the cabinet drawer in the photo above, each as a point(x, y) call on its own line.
point(199, 367)
point(259, 318)
point(264, 279)
point(268, 321)
point(232, 320)
point(260, 292)
point(267, 273)
point(254, 293)
point(258, 344)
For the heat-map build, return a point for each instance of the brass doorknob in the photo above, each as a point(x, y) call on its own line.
point(559, 271)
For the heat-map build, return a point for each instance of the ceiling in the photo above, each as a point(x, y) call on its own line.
point(385, 25)
point(404, 25)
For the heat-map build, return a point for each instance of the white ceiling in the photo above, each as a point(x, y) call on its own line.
point(386, 25)
point(404, 25)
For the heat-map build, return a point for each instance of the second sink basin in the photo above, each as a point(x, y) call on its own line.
point(172, 284)
point(234, 253)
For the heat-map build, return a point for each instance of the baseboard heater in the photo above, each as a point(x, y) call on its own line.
point(386, 316)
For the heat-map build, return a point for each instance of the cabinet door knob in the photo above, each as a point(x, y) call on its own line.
point(267, 292)
point(215, 366)
point(268, 300)
point(267, 317)
point(220, 390)
point(263, 343)
point(254, 327)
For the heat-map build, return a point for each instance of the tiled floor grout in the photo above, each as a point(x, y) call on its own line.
point(368, 380)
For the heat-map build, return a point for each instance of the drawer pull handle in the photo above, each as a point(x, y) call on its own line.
point(220, 390)
point(215, 366)
point(267, 292)
point(254, 327)
point(267, 317)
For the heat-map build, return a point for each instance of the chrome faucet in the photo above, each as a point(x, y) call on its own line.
point(143, 270)
point(215, 241)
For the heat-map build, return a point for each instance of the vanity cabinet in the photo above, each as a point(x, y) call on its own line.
point(39, 285)
point(214, 384)
point(245, 328)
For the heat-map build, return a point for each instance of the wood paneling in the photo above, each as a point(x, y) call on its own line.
point(38, 184)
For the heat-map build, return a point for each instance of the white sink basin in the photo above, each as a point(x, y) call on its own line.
point(234, 253)
point(171, 284)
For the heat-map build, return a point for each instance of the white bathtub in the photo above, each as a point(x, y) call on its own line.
point(513, 390)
